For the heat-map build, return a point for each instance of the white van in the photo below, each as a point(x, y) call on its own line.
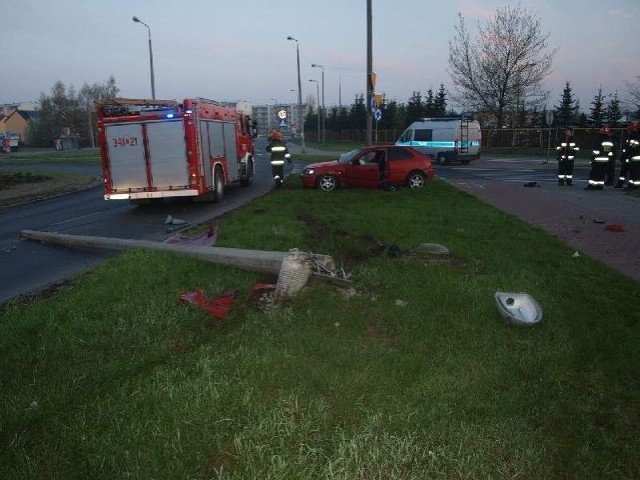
point(444, 139)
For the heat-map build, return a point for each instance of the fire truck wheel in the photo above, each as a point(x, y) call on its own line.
point(218, 185)
point(248, 179)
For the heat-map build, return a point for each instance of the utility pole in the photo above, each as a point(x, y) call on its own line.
point(369, 135)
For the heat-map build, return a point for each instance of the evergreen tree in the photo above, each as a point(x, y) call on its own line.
point(614, 114)
point(440, 102)
point(566, 111)
point(428, 106)
point(358, 114)
point(597, 113)
point(415, 108)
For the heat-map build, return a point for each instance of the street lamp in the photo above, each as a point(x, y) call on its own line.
point(153, 83)
point(318, 101)
point(300, 119)
point(291, 116)
point(269, 114)
point(324, 132)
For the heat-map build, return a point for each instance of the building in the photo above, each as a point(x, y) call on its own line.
point(281, 116)
point(18, 122)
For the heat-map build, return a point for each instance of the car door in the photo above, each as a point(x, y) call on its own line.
point(364, 170)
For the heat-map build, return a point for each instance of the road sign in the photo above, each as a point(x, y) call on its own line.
point(282, 114)
point(283, 123)
point(377, 114)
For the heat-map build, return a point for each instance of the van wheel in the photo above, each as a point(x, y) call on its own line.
point(442, 159)
point(218, 185)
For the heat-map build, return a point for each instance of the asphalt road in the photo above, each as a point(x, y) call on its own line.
point(27, 267)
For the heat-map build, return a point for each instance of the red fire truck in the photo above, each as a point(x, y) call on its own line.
point(152, 149)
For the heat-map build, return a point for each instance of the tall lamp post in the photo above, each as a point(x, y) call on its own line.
point(272, 115)
point(291, 117)
point(153, 83)
point(324, 131)
point(318, 101)
point(300, 118)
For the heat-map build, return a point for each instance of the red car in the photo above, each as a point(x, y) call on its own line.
point(374, 166)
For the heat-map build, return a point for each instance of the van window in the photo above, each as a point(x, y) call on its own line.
point(406, 136)
point(423, 135)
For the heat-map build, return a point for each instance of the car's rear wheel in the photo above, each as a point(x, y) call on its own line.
point(416, 180)
point(327, 183)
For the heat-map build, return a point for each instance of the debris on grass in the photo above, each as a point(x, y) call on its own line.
point(204, 239)
point(519, 309)
point(218, 307)
point(433, 249)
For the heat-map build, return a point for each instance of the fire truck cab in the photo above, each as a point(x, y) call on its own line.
point(153, 149)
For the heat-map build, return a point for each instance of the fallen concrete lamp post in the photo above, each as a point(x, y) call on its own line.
point(293, 268)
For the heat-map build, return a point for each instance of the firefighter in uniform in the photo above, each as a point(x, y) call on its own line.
point(631, 158)
point(566, 153)
point(603, 154)
point(279, 153)
point(630, 145)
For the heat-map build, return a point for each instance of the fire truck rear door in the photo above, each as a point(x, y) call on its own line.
point(126, 156)
point(168, 154)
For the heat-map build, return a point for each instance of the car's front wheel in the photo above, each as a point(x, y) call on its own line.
point(416, 180)
point(327, 183)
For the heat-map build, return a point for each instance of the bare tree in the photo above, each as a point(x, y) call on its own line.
point(633, 90)
point(505, 67)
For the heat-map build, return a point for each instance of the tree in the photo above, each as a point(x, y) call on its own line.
point(427, 106)
point(566, 112)
point(596, 112)
point(415, 108)
point(89, 96)
point(614, 115)
point(634, 95)
point(505, 68)
point(440, 103)
point(358, 113)
point(67, 112)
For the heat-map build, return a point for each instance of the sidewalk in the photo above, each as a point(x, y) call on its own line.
point(575, 216)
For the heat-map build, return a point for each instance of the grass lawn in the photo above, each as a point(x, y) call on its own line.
point(410, 374)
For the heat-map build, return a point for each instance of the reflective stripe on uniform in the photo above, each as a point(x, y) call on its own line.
point(278, 149)
point(277, 162)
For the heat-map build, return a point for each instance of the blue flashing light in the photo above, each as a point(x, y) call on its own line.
point(169, 115)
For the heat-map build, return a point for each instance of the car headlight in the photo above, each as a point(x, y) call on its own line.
point(307, 171)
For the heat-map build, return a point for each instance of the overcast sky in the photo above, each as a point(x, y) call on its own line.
point(238, 50)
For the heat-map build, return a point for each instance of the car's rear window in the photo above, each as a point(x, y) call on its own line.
point(397, 153)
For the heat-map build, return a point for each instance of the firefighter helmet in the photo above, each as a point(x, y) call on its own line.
point(275, 135)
